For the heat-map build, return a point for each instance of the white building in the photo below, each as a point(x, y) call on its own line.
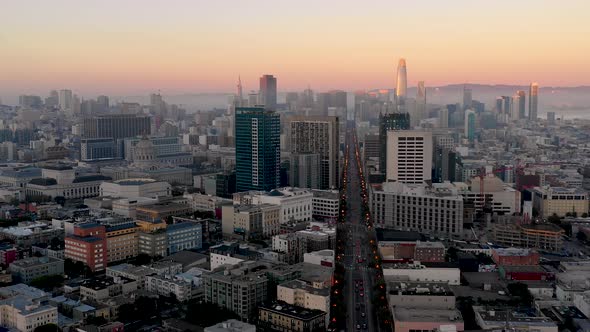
point(295, 203)
point(325, 204)
point(133, 188)
point(200, 202)
point(421, 273)
point(322, 257)
point(582, 302)
point(409, 156)
point(21, 308)
point(501, 197)
point(166, 285)
point(432, 209)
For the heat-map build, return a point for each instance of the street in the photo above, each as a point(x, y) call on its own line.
point(358, 289)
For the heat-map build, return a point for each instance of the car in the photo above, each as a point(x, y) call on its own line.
point(358, 326)
point(363, 314)
point(358, 306)
point(362, 294)
point(364, 326)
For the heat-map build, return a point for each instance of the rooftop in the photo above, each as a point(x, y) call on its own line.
point(511, 315)
point(300, 284)
point(103, 282)
point(286, 309)
point(134, 182)
point(513, 251)
point(419, 288)
point(34, 261)
point(408, 314)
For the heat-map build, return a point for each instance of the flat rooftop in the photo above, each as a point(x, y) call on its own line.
point(419, 288)
point(286, 309)
point(427, 315)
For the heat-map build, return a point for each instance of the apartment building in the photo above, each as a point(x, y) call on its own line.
point(281, 316)
point(88, 245)
point(28, 269)
point(122, 241)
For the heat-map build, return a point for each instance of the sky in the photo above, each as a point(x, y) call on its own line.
point(128, 47)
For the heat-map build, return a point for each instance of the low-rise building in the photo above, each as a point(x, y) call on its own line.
point(290, 247)
point(325, 204)
point(515, 256)
point(231, 325)
point(281, 316)
point(183, 236)
point(514, 319)
point(26, 270)
point(231, 254)
point(302, 294)
point(161, 211)
point(559, 201)
point(409, 319)
point(167, 286)
point(134, 188)
point(154, 243)
point(420, 295)
point(23, 308)
point(419, 272)
point(321, 257)
point(250, 221)
point(100, 288)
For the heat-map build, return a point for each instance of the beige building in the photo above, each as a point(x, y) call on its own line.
point(21, 308)
point(281, 316)
point(560, 201)
point(409, 156)
point(300, 293)
point(251, 221)
point(122, 242)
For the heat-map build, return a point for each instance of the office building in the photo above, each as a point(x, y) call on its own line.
point(281, 316)
point(304, 170)
point(551, 118)
point(295, 203)
point(28, 101)
point(184, 236)
point(28, 269)
point(560, 201)
point(94, 149)
point(409, 156)
point(499, 197)
point(435, 210)
point(533, 101)
point(117, 126)
point(268, 92)
point(122, 241)
point(258, 153)
point(318, 135)
point(88, 245)
point(512, 319)
point(65, 100)
point(166, 285)
point(251, 221)
point(387, 122)
point(153, 243)
point(401, 88)
point(325, 204)
point(521, 104)
point(467, 97)
point(241, 289)
point(469, 125)
point(420, 111)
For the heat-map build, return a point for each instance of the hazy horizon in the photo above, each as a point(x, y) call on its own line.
point(130, 47)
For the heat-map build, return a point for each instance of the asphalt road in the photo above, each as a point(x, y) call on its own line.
point(359, 278)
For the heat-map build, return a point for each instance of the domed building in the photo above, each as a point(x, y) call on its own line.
point(144, 154)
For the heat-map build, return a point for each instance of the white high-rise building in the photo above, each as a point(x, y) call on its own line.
point(401, 88)
point(409, 156)
point(65, 99)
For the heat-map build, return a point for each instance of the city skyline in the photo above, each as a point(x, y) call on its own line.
point(188, 52)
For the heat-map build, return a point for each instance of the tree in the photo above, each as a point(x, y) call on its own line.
point(48, 282)
point(47, 328)
point(554, 219)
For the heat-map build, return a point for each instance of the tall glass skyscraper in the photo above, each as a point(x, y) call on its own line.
point(258, 149)
point(533, 101)
point(268, 92)
point(401, 88)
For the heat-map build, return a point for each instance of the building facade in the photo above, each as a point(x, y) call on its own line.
point(409, 156)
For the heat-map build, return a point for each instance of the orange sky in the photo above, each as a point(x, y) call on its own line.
point(201, 46)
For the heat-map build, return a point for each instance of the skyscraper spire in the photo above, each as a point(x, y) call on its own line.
point(402, 81)
point(240, 95)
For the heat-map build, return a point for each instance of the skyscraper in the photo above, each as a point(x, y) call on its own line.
point(318, 135)
point(467, 97)
point(258, 149)
point(401, 87)
point(533, 101)
point(117, 126)
point(409, 154)
point(268, 92)
point(387, 122)
point(65, 99)
point(521, 104)
point(470, 125)
point(420, 113)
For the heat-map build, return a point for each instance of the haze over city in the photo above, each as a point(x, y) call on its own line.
point(134, 47)
point(294, 166)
